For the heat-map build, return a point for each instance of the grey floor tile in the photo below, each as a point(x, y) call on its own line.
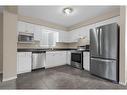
point(62, 77)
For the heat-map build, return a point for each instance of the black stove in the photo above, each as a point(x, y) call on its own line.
point(77, 57)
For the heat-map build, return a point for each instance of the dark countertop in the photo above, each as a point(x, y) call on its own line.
point(46, 49)
point(43, 49)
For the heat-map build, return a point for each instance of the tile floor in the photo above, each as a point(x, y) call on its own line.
point(62, 77)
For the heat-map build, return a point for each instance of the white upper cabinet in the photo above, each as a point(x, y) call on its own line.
point(80, 33)
point(51, 39)
point(44, 39)
point(21, 26)
point(65, 37)
point(37, 32)
point(73, 36)
point(25, 27)
point(30, 28)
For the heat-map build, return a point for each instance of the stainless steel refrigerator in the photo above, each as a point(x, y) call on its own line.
point(104, 51)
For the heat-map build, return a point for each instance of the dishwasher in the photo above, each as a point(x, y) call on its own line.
point(38, 59)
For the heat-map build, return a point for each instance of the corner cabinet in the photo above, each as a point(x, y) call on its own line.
point(86, 61)
point(23, 62)
point(55, 58)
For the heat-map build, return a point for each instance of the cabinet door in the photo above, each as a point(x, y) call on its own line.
point(30, 28)
point(86, 61)
point(55, 58)
point(60, 36)
point(63, 36)
point(37, 32)
point(68, 57)
point(21, 26)
point(23, 62)
point(60, 58)
point(73, 36)
point(49, 60)
point(51, 39)
point(44, 38)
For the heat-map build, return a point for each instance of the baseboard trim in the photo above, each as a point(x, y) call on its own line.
point(46, 67)
point(122, 83)
point(11, 78)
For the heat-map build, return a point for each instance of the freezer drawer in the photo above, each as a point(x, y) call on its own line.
point(104, 68)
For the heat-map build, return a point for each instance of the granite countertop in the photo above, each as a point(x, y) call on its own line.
point(43, 49)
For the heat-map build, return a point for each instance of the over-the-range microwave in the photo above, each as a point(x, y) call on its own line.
point(25, 37)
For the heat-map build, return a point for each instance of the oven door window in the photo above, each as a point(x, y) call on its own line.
point(76, 57)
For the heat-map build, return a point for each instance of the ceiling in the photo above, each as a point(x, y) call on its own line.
point(54, 14)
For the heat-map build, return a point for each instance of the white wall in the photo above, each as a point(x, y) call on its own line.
point(125, 43)
point(1, 42)
point(9, 45)
point(122, 45)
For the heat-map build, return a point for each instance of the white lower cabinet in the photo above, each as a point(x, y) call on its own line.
point(23, 62)
point(55, 58)
point(86, 61)
point(68, 57)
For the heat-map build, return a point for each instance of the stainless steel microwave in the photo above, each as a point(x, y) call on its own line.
point(25, 37)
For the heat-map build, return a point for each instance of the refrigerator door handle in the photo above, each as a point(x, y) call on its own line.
point(100, 41)
point(98, 45)
point(103, 60)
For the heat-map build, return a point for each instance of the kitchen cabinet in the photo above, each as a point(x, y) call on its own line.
point(51, 39)
point(86, 61)
point(65, 37)
point(79, 33)
point(73, 36)
point(68, 57)
point(25, 27)
point(23, 62)
point(37, 32)
point(43, 34)
point(30, 27)
point(55, 58)
point(48, 38)
point(21, 26)
point(44, 39)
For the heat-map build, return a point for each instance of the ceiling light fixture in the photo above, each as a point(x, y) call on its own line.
point(67, 11)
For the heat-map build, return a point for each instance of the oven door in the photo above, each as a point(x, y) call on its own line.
point(77, 59)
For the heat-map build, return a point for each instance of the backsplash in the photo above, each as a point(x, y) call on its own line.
point(80, 42)
point(37, 45)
